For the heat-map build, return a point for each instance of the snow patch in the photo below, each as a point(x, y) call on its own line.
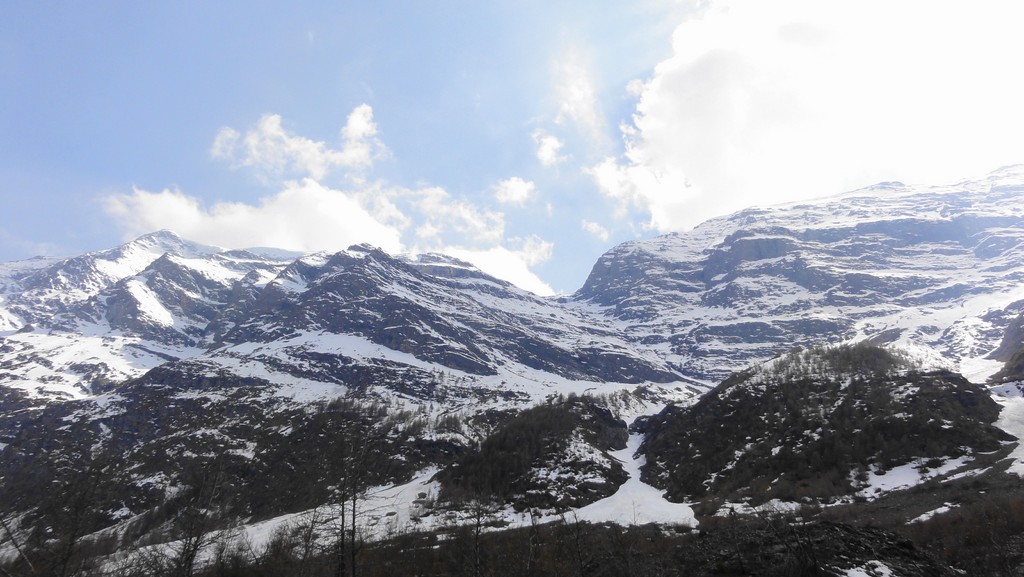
point(149, 304)
point(945, 508)
point(636, 502)
point(1011, 420)
point(906, 476)
point(870, 569)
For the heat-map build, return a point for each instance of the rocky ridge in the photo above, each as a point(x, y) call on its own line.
point(935, 270)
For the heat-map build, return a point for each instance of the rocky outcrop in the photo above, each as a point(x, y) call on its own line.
point(820, 424)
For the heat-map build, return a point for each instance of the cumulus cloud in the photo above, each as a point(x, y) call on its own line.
point(514, 191)
point(595, 229)
point(548, 147)
point(511, 264)
point(446, 214)
point(305, 216)
point(768, 102)
point(361, 145)
point(274, 152)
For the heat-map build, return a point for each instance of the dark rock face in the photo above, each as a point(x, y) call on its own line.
point(1011, 352)
point(551, 457)
point(440, 314)
point(779, 546)
point(350, 294)
point(818, 424)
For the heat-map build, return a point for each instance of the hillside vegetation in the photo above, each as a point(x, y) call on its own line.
point(818, 424)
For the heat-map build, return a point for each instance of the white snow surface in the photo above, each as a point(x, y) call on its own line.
point(71, 340)
point(121, 356)
point(1011, 420)
point(254, 360)
point(906, 476)
point(945, 508)
point(870, 569)
point(637, 503)
point(149, 304)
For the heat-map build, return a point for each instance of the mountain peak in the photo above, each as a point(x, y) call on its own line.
point(169, 241)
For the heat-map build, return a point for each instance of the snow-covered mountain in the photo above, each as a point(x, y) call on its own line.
point(78, 325)
point(937, 270)
point(164, 357)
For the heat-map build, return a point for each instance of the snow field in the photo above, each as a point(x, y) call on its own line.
point(1011, 420)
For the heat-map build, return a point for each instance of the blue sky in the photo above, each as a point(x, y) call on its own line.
point(526, 137)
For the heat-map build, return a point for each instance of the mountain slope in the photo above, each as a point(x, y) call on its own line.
point(82, 324)
point(822, 423)
point(549, 457)
point(329, 318)
point(142, 372)
point(936, 270)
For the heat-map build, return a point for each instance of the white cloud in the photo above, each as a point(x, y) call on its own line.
point(274, 152)
point(427, 232)
point(305, 216)
point(32, 247)
point(360, 137)
point(767, 102)
point(577, 97)
point(515, 191)
point(446, 214)
point(510, 264)
point(548, 147)
point(595, 229)
point(535, 250)
point(224, 143)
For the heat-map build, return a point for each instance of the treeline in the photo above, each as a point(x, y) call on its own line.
point(56, 515)
point(540, 438)
point(323, 458)
point(766, 544)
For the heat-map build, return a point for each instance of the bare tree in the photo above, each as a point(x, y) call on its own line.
point(356, 463)
point(61, 521)
point(11, 537)
point(191, 528)
point(580, 550)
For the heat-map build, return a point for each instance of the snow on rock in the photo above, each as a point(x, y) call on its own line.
point(769, 508)
point(387, 511)
point(636, 503)
point(934, 268)
point(9, 322)
point(869, 569)
point(149, 304)
point(906, 476)
point(945, 508)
